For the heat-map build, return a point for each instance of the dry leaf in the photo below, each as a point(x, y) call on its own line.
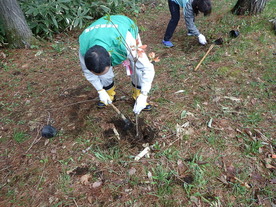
point(97, 184)
point(268, 165)
point(261, 135)
point(232, 98)
point(150, 175)
point(132, 171)
point(181, 168)
point(180, 91)
point(25, 66)
point(90, 199)
point(3, 55)
point(273, 181)
point(223, 179)
point(85, 179)
point(46, 142)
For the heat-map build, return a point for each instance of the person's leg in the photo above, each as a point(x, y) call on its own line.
point(175, 16)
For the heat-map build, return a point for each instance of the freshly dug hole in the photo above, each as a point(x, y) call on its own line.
point(146, 133)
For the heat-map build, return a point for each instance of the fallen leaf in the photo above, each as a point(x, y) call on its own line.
point(273, 181)
point(38, 53)
point(97, 184)
point(150, 175)
point(25, 66)
point(85, 179)
point(46, 142)
point(90, 198)
point(181, 168)
point(195, 200)
point(210, 123)
point(180, 91)
point(132, 171)
point(223, 179)
point(259, 134)
point(185, 124)
point(183, 114)
point(232, 98)
point(216, 99)
point(3, 55)
point(268, 164)
point(128, 190)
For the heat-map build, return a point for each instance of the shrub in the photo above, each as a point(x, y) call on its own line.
point(47, 17)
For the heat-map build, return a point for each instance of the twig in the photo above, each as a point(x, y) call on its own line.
point(5, 168)
point(41, 176)
point(116, 133)
point(243, 183)
point(142, 154)
point(75, 202)
point(35, 140)
point(87, 149)
point(71, 104)
point(49, 116)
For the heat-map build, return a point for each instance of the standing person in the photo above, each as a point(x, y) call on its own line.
point(108, 42)
point(191, 8)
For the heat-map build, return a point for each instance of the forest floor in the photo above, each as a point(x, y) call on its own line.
point(211, 133)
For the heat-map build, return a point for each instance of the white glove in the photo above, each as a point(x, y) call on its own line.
point(202, 39)
point(104, 97)
point(140, 104)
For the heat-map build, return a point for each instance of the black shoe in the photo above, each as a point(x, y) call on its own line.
point(148, 108)
point(100, 105)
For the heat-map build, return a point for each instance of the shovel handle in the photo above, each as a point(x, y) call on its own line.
point(118, 111)
point(210, 48)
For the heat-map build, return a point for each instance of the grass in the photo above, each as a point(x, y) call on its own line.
point(20, 136)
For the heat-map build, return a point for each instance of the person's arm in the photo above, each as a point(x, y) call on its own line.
point(145, 69)
point(95, 81)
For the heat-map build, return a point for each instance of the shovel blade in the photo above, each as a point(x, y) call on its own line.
point(128, 124)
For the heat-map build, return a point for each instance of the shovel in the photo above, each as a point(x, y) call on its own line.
point(128, 123)
point(218, 41)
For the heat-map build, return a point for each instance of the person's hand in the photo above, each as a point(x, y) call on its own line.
point(140, 104)
point(202, 39)
point(104, 97)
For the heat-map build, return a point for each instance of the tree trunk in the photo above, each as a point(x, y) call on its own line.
point(250, 7)
point(273, 21)
point(17, 31)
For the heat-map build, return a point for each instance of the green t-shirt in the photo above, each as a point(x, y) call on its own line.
point(109, 34)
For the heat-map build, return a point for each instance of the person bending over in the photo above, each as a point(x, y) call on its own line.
point(191, 8)
point(108, 42)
